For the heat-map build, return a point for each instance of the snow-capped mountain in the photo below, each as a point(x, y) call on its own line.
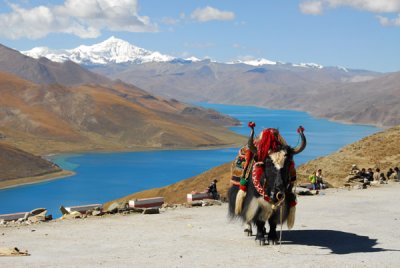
point(112, 50)
point(115, 50)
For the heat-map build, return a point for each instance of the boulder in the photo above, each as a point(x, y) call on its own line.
point(151, 211)
point(13, 252)
point(38, 217)
point(72, 215)
point(116, 207)
point(211, 202)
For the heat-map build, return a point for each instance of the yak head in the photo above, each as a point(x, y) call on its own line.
point(277, 159)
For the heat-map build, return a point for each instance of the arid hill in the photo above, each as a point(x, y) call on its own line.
point(44, 71)
point(354, 96)
point(54, 118)
point(17, 165)
point(378, 150)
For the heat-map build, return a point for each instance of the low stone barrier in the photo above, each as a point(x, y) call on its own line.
point(198, 196)
point(154, 202)
point(13, 216)
point(83, 208)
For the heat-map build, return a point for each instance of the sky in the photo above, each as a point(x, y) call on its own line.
point(356, 34)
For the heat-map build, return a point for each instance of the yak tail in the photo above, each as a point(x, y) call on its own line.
point(291, 217)
point(241, 195)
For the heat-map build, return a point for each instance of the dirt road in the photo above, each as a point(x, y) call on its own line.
point(339, 228)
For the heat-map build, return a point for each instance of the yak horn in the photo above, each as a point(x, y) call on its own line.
point(302, 145)
point(250, 142)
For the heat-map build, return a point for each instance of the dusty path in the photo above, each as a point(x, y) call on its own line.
point(341, 228)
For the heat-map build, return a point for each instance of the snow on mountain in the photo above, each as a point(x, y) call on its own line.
point(256, 62)
point(112, 50)
point(309, 65)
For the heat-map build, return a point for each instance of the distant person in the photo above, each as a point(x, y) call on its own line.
point(212, 189)
point(390, 174)
point(313, 180)
point(376, 175)
point(354, 170)
point(364, 178)
point(397, 177)
point(369, 174)
point(320, 180)
point(382, 178)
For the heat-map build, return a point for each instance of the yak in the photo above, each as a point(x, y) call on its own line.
point(263, 176)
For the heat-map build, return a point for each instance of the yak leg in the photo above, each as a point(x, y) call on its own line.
point(249, 229)
point(260, 232)
point(272, 235)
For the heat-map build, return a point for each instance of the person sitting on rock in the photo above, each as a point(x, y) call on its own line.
point(391, 174)
point(376, 175)
point(370, 174)
point(320, 181)
point(382, 178)
point(212, 189)
point(397, 177)
point(313, 180)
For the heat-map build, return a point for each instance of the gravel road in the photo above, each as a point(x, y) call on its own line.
point(338, 228)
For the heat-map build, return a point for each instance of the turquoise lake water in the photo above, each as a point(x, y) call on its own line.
point(101, 177)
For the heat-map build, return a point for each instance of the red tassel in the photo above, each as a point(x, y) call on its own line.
point(251, 124)
point(292, 204)
point(243, 188)
point(300, 129)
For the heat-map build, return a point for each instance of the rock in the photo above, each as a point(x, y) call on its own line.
point(136, 210)
point(116, 207)
point(302, 191)
point(195, 204)
point(63, 210)
point(151, 211)
point(38, 217)
point(37, 211)
point(2, 222)
point(13, 252)
point(97, 213)
point(211, 202)
point(72, 215)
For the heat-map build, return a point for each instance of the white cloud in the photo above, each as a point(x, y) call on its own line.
point(83, 18)
point(384, 21)
point(209, 13)
point(374, 6)
point(311, 7)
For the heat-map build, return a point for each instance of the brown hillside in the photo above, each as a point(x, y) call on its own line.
point(16, 164)
point(44, 71)
point(378, 150)
point(54, 118)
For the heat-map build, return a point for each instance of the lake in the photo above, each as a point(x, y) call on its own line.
point(101, 177)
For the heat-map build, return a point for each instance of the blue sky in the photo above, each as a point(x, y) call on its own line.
point(359, 34)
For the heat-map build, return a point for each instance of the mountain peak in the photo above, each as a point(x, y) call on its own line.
point(111, 50)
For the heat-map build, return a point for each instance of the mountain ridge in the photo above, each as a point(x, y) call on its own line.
point(115, 50)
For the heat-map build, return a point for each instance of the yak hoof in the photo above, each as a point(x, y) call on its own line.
point(249, 232)
point(261, 241)
point(272, 242)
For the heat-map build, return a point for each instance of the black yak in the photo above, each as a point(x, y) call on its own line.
point(263, 176)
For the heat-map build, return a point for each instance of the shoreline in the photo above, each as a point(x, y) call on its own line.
point(35, 179)
point(67, 173)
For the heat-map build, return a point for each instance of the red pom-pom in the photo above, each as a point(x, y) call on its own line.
point(292, 204)
point(243, 188)
point(300, 129)
point(251, 124)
